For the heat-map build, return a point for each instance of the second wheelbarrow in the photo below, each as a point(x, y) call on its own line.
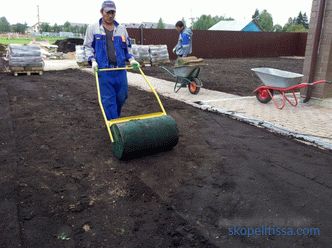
point(186, 76)
point(282, 82)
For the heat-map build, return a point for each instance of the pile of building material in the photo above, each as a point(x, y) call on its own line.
point(68, 45)
point(56, 56)
point(189, 61)
point(80, 56)
point(159, 54)
point(150, 54)
point(51, 55)
point(141, 53)
point(25, 59)
point(48, 51)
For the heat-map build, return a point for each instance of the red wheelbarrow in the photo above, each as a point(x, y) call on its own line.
point(282, 82)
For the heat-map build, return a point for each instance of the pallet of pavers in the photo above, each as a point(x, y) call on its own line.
point(25, 59)
point(26, 70)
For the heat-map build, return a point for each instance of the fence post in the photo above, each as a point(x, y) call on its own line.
point(142, 35)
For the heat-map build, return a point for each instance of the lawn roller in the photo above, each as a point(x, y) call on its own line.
point(282, 82)
point(140, 135)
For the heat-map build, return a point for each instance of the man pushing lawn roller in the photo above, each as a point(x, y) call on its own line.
point(106, 44)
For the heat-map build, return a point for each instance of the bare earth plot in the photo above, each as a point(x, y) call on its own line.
point(233, 75)
point(61, 187)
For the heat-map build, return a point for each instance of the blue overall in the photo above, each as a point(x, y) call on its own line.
point(114, 92)
point(184, 46)
point(113, 84)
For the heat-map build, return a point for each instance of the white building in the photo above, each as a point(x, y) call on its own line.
point(33, 29)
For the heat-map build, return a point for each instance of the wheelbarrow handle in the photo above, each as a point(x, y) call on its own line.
point(171, 73)
point(321, 82)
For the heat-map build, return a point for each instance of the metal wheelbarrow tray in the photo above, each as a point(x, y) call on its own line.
point(186, 76)
point(282, 82)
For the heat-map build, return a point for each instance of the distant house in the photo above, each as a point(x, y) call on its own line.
point(244, 26)
point(34, 29)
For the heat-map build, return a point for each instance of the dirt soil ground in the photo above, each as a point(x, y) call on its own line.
point(233, 75)
point(60, 186)
point(3, 50)
point(68, 45)
point(2, 65)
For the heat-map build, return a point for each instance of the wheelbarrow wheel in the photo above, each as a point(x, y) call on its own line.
point(263, 95)
point(194, 86)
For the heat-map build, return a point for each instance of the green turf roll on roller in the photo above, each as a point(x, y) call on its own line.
point(141, 137)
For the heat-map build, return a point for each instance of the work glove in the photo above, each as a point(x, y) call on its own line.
point(134, 64)
point(94, 65)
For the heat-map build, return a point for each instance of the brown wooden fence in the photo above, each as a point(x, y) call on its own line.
point(229, 44)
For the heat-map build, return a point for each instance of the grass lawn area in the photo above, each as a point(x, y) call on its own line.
point(6, 41)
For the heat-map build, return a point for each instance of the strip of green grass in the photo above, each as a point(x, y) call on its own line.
point(7, 41)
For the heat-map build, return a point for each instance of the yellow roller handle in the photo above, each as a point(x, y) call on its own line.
point(153, 90)
point(116, 69)
point(102, 107)
point(146, 80)
point(120, 120)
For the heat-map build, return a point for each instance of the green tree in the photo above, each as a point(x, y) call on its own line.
point(297, 24)
point(67, 27)
point(265, 20)
point(205, 22)
point(83, 29)
point(299, 19)
point(56, 28)
point(277, 28)
point(305, 21)
point(4, 25)
point(288, 24)
point(256, 14)
point(296, 28)
point(74, 29)
point(45, 27)
point(19, 28)
point(161, 24)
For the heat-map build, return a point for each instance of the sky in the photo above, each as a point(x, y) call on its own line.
point(170, 11)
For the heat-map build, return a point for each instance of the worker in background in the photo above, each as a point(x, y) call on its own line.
point(106, 45)
point(184, 46)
